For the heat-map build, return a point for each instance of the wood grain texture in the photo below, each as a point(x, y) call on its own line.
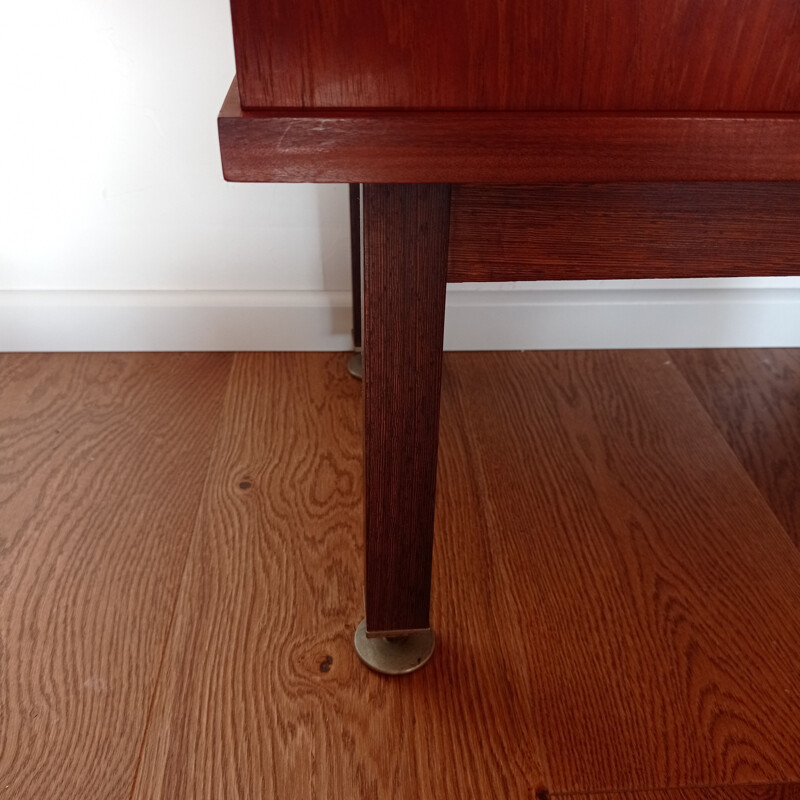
point(581, 610)
point(405, 276)
point(103, 462)
point(766, 791)
point(660, 623)
point(262, 694)
point(504, 147)
point(754, 398)
point(600, 231)
point(704, 55)
point(616, 606)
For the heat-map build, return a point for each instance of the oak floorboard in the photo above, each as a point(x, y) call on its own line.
point(616, 604)
point(661, 630)
point(102, 462)
point(765, 791)
point(262, 694)
point(754, 398)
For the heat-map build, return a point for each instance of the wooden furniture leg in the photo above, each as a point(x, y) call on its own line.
point(405, 271)
point(355, 364)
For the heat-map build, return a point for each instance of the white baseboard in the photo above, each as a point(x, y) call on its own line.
point(487, 319)
point(693, 315)
point(174, 321)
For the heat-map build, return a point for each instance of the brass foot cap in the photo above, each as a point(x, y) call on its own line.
point(395, 656)
point(355, 365)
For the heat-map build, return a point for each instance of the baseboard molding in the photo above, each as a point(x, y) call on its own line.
point(486, 319)
point(174, 321)
point(629, 318)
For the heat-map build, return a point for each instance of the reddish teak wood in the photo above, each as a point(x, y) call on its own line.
point(516, 92)
point(597, 231)
point(686, 55)
point(405, 271)
point(504, 147)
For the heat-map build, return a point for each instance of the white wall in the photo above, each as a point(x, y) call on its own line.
point(118, 232)
point(111, 177)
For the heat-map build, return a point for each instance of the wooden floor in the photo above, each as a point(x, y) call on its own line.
point(617, 581)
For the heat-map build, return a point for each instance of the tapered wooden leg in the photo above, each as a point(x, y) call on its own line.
point(405, 273)
point(355, 259)
point(355, 362)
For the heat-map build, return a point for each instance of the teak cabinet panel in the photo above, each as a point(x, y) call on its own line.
point(609, 55)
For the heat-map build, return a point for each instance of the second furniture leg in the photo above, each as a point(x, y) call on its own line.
point(406, 231)
point(355, 363)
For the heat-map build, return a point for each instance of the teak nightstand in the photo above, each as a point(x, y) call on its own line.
point(523, 140)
